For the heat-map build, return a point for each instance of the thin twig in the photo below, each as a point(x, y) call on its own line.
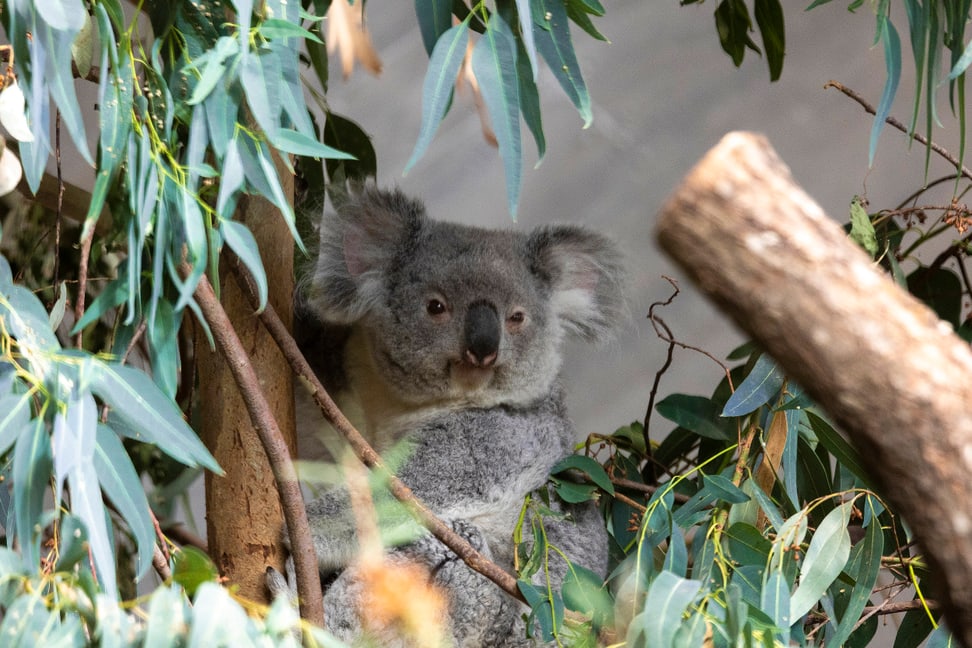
point(60, 199)
point(288, 487)
point(86, 241)
point(364, 451)
point(918, 137)
point(181, 534)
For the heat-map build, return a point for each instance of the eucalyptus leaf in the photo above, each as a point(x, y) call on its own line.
point(32, 469)
point(440, 78)
point(554, 43)
point(825, 558)
point(494, 64)
point(122, 485)
point(695, 413)
point(139, 404)
point(588, 466)
point(434, 18)
point(667, 599)
point(239, 238)
point(761, 385)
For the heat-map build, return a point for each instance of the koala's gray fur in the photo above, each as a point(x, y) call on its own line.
point(452, 345)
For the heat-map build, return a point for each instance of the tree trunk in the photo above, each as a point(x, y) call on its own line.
point(893, 375)
point(243, 513)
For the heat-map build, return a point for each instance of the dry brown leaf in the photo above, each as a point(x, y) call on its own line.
point(347, 33)
point(467, 75)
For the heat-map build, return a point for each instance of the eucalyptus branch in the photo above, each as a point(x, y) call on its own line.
point(288, 487)
point(918, 137)
point(365, 453)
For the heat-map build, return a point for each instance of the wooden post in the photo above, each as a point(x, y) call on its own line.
point(894, 376)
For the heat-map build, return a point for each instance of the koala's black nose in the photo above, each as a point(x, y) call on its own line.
point(482, 334)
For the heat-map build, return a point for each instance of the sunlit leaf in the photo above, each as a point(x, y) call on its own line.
point(297, 143)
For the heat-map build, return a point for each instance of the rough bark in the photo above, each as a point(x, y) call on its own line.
point(895, 377)
point(244, 517)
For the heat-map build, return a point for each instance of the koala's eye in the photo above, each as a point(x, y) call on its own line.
point(435, 307)
point(517, 317)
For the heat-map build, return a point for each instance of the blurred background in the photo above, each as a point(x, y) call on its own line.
point(663, 93)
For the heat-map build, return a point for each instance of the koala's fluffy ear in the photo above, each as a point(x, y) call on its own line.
point(586, 276)
point(359, 245)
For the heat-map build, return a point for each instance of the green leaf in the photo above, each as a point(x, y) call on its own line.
point(733, 25)
point(114, 118)
point(440, 78)
point(530, 101)
point(576, 12)
point(214, 68)
point(724, 489)
point(825, 558)
point(695, 413)
point(164, 355)
point(836, 445)
point(588, 466)
point(122, 485)
point(32, 468)
point(241, 241)
point(59, 75)
point(230, 182)
point(434, 19)
point(260, 74)
point(524, 15)
point(862, 229)
point(494, 64)
point(863, 567)
point(218, 620)
point(775, 602)
point(574, 493)
point(552, 34)
point(892, 61)
point(191, 568)
point(668, 597)
point(584, 591)
point(345, 135)
point(148, 414)
point(168, 617)
point(747, 546)
point(14, 418)
point(276, 28)
point(769, 19)
point(761, 385)
point(297, 143)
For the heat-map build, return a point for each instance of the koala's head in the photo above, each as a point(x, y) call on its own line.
point(459, 313)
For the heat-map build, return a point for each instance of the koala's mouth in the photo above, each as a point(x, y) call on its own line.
point(469, 378)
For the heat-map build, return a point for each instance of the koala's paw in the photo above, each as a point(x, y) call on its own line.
point(283, 584)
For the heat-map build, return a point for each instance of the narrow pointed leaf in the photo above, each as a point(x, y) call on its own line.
point(244, 245)
point(121, 484)
point(554, 44)
point(762, 384)
point(825, 559)
point(292, 141)
point(140, 405)
point(32, 468)
point(437, 87)
point(434, 19)
point(892, 61)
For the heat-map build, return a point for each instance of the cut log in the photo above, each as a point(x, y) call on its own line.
point(890, 373)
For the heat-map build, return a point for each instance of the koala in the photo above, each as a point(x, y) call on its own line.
point(449, 338)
